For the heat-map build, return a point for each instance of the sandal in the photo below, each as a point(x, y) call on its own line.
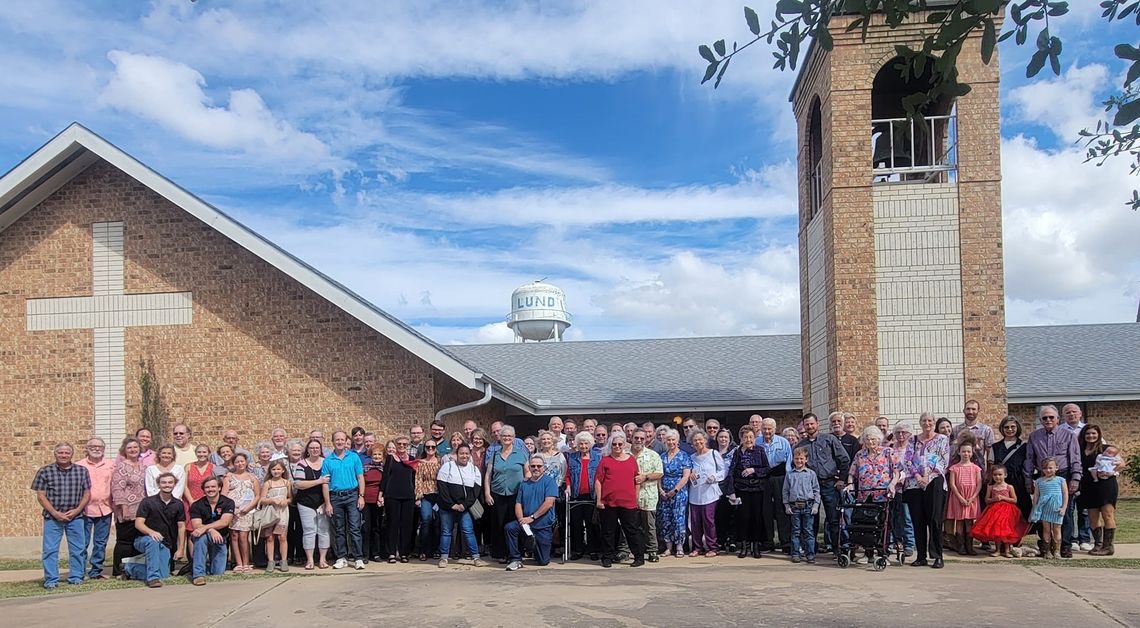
point(694, 553)
point(392, 560)
point(403, 559)
point(323, 566)
point(309, 567)
point(680, 553)
point(710, 554)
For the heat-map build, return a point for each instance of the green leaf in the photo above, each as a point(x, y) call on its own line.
point(1022, 33)
point(789, 6)
point(720, 75)
point(1006, 35)
point(1043, 39)
point(707, 53)
point(1127, 113)
point(1133, 74)
point(719, 47)
point(1055, 47)
point(989, 40)
point(753, 20)
point(936, 17)
point(1125, 51)
point(1036, 63)
point(823, 37)
point(709, 71)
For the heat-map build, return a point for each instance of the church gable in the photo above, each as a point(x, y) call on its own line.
point(105, 272)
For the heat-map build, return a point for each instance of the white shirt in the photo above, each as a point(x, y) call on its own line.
point(150, 479)
point(708, 470)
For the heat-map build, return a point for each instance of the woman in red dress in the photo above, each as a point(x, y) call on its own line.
point(196, 471)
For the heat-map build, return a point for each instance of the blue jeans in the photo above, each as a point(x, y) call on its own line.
point(54, 531)
point(829, 495)
point(901, 527)
point(427, 515)
point(157, 564)
point(1083, 529)
point(209, 557)
point(98, 529)
point(803, 525)
point(447, 519)
point(542, 540)
point(346, 525)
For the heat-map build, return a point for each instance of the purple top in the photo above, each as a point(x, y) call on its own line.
point(926, 458)
point(1059, 444)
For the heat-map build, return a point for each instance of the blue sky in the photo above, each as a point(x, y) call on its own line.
point(434, 156)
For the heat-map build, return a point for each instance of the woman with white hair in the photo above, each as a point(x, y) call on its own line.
point(925, 489)
point(708, 472)
point(672, 509)
point(874, 474)
point(902, 529)
point(581, 468)
point(615, 494)
point(503, 475)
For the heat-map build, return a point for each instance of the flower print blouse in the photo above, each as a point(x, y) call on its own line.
point(926, 458)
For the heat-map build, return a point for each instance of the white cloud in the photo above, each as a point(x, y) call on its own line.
point(1065, 104)
point(690, 296)
point(768, 193)
point(172, 94)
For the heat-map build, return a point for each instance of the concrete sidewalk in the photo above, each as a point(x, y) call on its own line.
point(1122, 552)
point(692, 592)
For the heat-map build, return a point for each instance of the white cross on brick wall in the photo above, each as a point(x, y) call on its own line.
point(109, 312)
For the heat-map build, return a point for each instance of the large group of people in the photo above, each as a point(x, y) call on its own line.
point(612, 493)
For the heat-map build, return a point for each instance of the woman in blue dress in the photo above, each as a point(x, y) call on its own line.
point(673, 507)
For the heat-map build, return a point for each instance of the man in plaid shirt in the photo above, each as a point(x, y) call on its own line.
point(63, 490)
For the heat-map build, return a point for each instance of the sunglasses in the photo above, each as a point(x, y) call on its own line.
point(535, 466)
point(429, 446)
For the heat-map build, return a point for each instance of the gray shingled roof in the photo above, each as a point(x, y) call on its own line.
point(1073, 360)
point(1045, 363)
point(670, 371)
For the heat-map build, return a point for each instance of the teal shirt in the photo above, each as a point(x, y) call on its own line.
point(343, 472)
point(507, 473)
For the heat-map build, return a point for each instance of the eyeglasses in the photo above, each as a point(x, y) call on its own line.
point(535, 466)
point(429, 446)
point(688, 427)
point(401, 444)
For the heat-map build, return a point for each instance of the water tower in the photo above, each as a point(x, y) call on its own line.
point(538, 312)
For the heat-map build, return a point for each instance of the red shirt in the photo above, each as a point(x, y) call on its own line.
point(584, 487)
point(616, 476)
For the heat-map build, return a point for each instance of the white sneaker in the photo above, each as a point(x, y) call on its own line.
point(1086, 547)
point(514, 565)
point(862, 560)
point(340, 563)
point(359, 564)
point(1074, 547)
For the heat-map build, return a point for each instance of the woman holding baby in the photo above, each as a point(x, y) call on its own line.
point(1101, 464)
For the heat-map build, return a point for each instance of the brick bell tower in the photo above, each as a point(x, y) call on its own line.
point(901, 286)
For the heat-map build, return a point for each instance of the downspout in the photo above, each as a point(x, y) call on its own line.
point(469, 405)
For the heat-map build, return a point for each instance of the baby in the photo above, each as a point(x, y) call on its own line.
point(1106, 463)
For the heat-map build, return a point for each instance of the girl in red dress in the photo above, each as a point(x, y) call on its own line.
point(1001, 523)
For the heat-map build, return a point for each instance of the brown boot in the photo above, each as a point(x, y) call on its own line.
point(1107, 545)
point(1098, 535)
point(968, 539)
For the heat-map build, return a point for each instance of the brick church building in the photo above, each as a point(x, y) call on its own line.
point(104, 263)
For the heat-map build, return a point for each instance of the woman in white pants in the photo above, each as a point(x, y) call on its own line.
point(307, 481)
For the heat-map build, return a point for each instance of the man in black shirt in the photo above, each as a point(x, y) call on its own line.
point(161, 522)
point(849, 440)
point(210, 517)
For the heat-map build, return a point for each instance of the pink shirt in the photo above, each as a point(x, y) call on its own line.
point(100, 472)
point(146, 458)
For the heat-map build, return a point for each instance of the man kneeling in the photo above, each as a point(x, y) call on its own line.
point(210, 517)
point(161, 522)
point(534, 514)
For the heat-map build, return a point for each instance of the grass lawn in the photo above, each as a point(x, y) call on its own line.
point(1128, 521)
point(20, 564)
point(30, 588)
